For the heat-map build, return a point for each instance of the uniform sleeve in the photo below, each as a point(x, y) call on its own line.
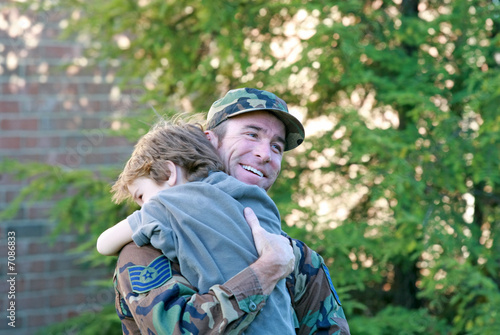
point(152, 225)
point(321, 312)
point(173, 306)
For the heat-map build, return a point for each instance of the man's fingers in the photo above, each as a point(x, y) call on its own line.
point(260, 236)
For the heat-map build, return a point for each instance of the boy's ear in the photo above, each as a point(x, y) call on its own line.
point(172, 181)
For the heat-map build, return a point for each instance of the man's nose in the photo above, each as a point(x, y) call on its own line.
point(263, 151)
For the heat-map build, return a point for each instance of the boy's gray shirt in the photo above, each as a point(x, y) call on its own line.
point(201, 226)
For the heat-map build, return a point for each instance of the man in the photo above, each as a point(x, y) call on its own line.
point(251, 129)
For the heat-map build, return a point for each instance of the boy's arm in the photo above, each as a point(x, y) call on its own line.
point(113, 239)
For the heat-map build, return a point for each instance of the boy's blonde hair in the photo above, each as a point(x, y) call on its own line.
point(182, 143)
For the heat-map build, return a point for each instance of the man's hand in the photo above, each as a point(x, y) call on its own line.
point(276, 259)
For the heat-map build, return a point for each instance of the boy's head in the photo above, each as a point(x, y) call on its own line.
point(182, 143)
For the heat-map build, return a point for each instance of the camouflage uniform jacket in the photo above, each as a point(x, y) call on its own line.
point(174, 306)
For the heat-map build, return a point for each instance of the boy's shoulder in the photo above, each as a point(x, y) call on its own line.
point(237, 189)
point(228, 183)
point(218, 185)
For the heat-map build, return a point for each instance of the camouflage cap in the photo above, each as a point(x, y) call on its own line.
point(244, 100)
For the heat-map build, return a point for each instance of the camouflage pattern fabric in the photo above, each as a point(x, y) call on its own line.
point(315, 301)
point(244, 100)
point(175, 307)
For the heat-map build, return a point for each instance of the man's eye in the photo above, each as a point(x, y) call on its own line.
point(278, 148)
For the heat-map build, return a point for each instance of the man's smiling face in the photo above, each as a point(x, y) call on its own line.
point(252, 148)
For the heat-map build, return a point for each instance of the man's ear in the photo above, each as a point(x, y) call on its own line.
point(212, 138)
point(170, 166)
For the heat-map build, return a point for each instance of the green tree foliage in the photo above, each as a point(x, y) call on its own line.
point(397, 184)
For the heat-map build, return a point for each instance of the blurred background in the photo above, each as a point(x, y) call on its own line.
point(396, 185)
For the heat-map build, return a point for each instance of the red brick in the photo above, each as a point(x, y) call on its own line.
point(96, 88)
point(10, 195)
point(117, 142)
point(58, 317)
point(52, 31)
point(30, 142)
point(61, 264)
point(28, 158)
point(60, 86)
point(32, 267)
point(38, 212)
point(59, 300)
point(100, 158)
point(17, 88)
point(64, 246)
point(70, 89)
point(92, 123)
point(9, 88)
point(41, 157)
point(35, 248)
point(66, 123)
point(80, 298)
point(10, 143)
point(72, 245)
point(97, 106)
point(31, 70)
point(4, 87)
point(8, 106)
point(67, 299)
point(32, 302)
point(21, 284)
point(58, 283)
point(72, 314)
point(32, 88)
point(39, 284)
point(42, 142)
point(75, 141)
point(19, 124)
point(37, 320)
point(49, 88)
point(69, 160)
point(61, 51)
point(76, 281)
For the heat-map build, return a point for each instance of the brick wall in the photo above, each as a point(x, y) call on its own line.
point(56, 115)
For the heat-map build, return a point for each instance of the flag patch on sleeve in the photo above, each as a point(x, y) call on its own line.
point(145, 278)
point(331, 285)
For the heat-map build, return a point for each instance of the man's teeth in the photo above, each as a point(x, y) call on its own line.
point(254, 170)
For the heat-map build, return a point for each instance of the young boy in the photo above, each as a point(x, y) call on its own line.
point(193, 213)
